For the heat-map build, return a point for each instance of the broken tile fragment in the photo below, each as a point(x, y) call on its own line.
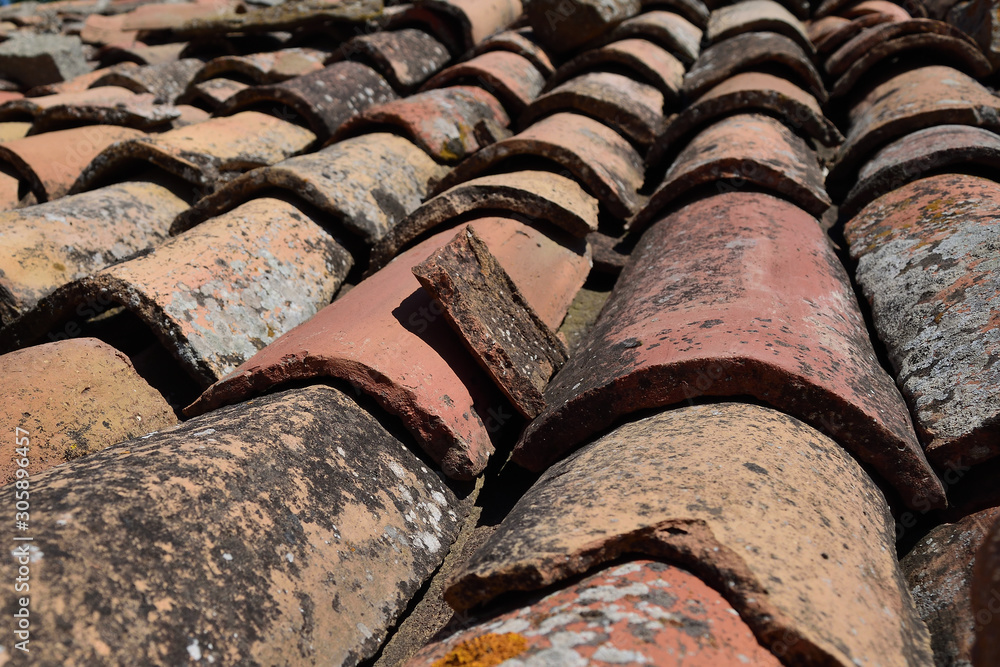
point(493, 319)
point(564, 25)
point(926, 256)
point(511, 78)
point(756, 16)
point(642, 58)
point(601, 159)
point(918, 154)
point(73, 398)
point(671, 31)
point(938, 571)
point(48, 163)
point(763, 507)
point(205, 154)
point(524, 194)
point(367, 184)
point(388, 339)
point(38, 59)
point(440, 121)
point(636, 612)
point(48, 245)
point(325, 99)
point(405, 57)
point(732, 295)
point(294, 527)
point(752, 51)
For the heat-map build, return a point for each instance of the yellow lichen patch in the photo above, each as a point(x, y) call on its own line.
point(484, 651)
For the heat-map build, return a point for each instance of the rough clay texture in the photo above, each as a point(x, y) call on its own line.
point(511, 78)
point(522, 42)
point(48, 245)
point(494, 320)
point(389, 340)
point(406, 58)
point(736, 294)
point(292, 529)
point(564, 25)
point(107, 105)
point(641, 612)
point(600, 158)
point(73, 398)
point(539, 195)
point(928, 264)
point(645, 60)
point(770, 512)
point(986, 600)
point(38, 59)
point(368, 184)
point(939, 573)
point(671, 31)
point(756, 16)
point(740, 150)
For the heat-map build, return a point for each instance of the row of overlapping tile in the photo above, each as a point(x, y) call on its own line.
point(733, 277)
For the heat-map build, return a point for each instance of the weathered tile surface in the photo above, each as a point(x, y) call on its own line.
point(756, 16)
point(736, 294)
point(73, 398)
point(527, 194)
point(847, 31)
point(48, 245)
point(266, 67)
point(671, 31)
point(985, 599)
point(291, 529)
point(563, 26)
point(368, 184)
point(165, 82)
point(38, 59)
point(640, 612)
point(494, 320)
point(928, 265)
point(406, 57)
point(524, 43)
point(107, 105)
point(643, 59)
point(477, 19)
point(511, 78)
point(595, 154)
point(760, 505)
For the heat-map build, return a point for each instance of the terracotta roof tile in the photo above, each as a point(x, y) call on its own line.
point(144, 54)
point(511, 78)
point(367, 184)
point(522, 42)
point(75, 85)
point(640, 612)
point(564, 26)
point(476, 19)
point(926, 255)
point(633, 108)
point(828, 7)
point(239, 19)
point(204, 154)
point(48, 245)
point(294, 527)
point(920, 153)
point(325, 99)
point(694, 11)
point(883, 7)
point(848, 31)
point(386, 339)
point(261, 68)
point(768, 510)
point(47, 164)
point(671, 31)
point(524, 195)
point(820, 29)
point(643, 59)
point(165, 82)
point(747, 51)
point(107, 105)
point(74, 398)
point(211, 94)
point(756, 16)
point(593, 153)
point(495, 322)
point(736, 294)
point(441, 121)
point(405, 57)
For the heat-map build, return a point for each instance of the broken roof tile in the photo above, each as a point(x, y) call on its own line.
point(74, 398)
point(385, 337)
point(266, 67)
point(476, 19)
point(926, 257)
point(405, 57)
point(756, 16)
point(441, 121)
point(938, 570)
point(770, 511)
point(746, 148)
point(646, 60)
point(165, 82)
point(921, 153)
point(633, 108)
point(671, 31)
point(36, 59)
point(522, 42)
point(325, 99)
point(736, 294)
point(524, 194)
point(494, 321)
point(593, 153)
point(204, 154)
point(637, 612)
point(48, 163)
point(511, 78)
point(910, 101)
point(220, 292)
point(234, 574)
point(368, 184)
point(107, 105)
point(48, 245)
point(747, 92)
point(747, 51)
point(855, 58)
point(563, 26)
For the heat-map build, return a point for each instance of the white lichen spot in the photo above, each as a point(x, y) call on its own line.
point(207, 431)
point(289, 557)
point(227, 556)
point(618, 656)
point(194, 650)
